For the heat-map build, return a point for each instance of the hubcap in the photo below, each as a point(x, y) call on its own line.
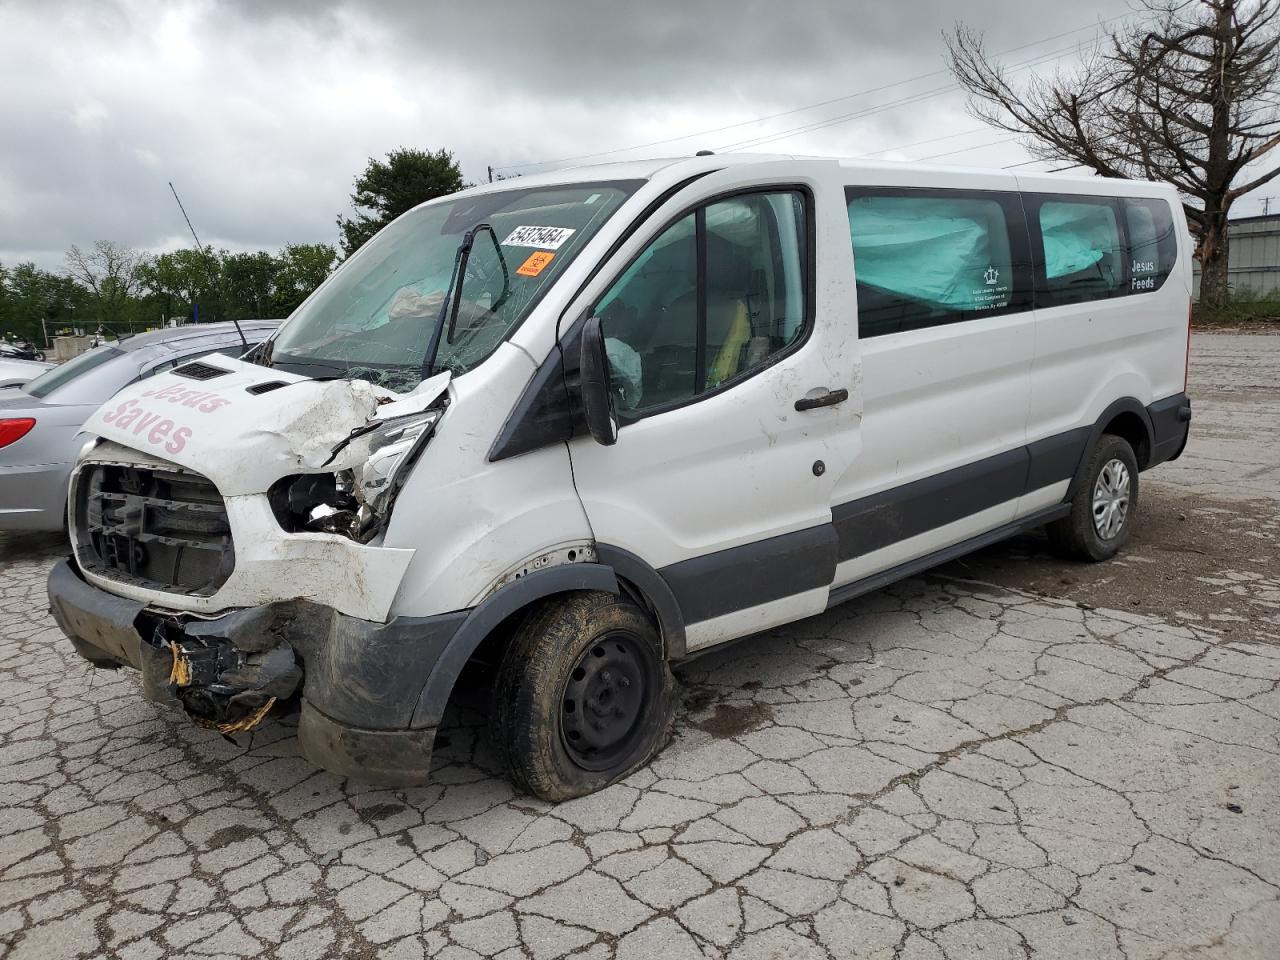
point(603, 701)
point(1111, 499)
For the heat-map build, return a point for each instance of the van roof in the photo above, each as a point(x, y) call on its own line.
point(678, 168)
point(629, 170)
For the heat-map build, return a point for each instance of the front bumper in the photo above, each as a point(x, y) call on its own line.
point(361, 580)
point(359, 681)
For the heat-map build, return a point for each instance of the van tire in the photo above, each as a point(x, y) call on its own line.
point(1077, 536)
point(592, 649)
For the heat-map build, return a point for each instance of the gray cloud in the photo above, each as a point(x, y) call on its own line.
point(263, 113)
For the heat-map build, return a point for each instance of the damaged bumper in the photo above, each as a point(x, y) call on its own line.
point(360, 681)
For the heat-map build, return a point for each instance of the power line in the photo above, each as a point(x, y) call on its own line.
point(871, 111)
point(730, 126)
point(832, 121)
point(811, 106)
point(921, 143)
point(976, 146)
point(1024, 163)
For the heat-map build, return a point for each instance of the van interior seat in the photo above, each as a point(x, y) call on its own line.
point(669, 361)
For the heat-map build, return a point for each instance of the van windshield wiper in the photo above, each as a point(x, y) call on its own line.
point(453, 295)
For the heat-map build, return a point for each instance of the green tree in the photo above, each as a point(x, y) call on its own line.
point(249, 284)
point(6, 313)
point(110, 273)
point(388, 188)
point(32, 296)
point(184, 280)
point(131, 288)
point(300, 268)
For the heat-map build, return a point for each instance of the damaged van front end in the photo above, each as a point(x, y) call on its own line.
point(323, 521)
point(228, 527)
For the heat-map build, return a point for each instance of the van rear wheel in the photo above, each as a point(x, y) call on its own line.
point(582, 697)
point(1104, 505)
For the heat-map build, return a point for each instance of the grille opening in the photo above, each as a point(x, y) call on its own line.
point(158, 528)
point(195, 370)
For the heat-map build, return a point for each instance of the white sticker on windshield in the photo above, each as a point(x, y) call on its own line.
point(547, 238)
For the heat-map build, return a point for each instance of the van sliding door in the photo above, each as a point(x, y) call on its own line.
point(947, 337)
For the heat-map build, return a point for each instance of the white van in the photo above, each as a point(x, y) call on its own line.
point(585, 425)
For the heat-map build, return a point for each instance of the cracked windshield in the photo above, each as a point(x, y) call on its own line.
point(376, 319)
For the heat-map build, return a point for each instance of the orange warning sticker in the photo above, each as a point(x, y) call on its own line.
point(536, 263)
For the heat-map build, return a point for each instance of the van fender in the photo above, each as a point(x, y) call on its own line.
point(1113, 410)
point(650, 584)
point(485, 617)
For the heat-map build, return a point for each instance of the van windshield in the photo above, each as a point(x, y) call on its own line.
point(373, 320)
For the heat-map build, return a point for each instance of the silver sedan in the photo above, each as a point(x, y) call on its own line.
point(14, 373)
point(40, 420)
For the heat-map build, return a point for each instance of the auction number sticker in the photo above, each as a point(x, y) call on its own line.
point(548, 238)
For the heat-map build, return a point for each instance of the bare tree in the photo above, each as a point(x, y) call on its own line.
point(1186, 95)
point(110, 272)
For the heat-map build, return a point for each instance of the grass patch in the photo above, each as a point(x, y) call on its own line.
point(1241, 310)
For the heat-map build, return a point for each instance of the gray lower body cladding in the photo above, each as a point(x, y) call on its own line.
point(360, 682)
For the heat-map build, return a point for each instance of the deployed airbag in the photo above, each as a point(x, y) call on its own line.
point(953, 253)
point(1076, 236)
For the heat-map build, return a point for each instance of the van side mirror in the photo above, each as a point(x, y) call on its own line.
point(597, 399)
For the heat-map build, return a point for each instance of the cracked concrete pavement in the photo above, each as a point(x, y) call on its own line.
point(944, 769)
point(1206, 550)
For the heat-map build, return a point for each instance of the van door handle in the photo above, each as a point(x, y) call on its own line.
point(821, 397)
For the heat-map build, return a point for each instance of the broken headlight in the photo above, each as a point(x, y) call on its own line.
point(354, 501)
point(388, 445)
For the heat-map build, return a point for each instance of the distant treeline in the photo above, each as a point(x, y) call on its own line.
point(117, 287)
point(122, 289)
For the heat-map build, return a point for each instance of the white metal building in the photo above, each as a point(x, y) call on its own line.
point(1254, 267)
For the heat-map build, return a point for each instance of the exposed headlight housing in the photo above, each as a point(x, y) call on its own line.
point(388, 447)
point(355, 501)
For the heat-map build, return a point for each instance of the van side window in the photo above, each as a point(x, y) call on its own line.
point(1153, 246)
point(926, 258)
point(1083, 256)
point(717, 296)
point(650, 322)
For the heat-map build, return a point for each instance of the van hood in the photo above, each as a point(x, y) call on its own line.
point(244, 426)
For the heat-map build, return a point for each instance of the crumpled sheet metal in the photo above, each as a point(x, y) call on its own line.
point(244, 442)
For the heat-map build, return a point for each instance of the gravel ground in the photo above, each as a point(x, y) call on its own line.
point(1008, 757)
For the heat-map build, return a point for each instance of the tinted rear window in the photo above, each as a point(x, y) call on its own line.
point(1153, 245)
point(74, 368)
point(926, 258)
point(1083, 256)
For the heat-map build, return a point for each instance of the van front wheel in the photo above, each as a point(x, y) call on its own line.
point(582, 697)
point(1104, 505)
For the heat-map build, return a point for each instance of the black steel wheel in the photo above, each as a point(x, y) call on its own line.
point(583, 696)
point(604, 699)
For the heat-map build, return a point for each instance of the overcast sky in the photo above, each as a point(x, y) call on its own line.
point(263, 113)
